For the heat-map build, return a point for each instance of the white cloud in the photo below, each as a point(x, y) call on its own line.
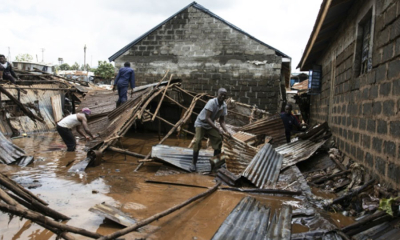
point(64, 27)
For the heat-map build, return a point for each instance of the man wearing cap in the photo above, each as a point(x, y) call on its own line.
point(125, 76)
point(65, 126)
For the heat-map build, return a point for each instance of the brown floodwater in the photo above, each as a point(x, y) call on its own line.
point(115, 183)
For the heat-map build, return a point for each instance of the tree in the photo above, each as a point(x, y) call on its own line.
point(83, 67)
point(64, 67)
point(75, 66)
point(24, 58)
point(105, 70)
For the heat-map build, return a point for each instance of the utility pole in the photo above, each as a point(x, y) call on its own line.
point(9, 54)
point(42, 54)
point(84, 58)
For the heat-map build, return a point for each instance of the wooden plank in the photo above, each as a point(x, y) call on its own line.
point(80, 166)
point(57, 107)
point(113, 214)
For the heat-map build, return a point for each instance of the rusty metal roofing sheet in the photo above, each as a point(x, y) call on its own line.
point(226, 177)
point(9, 152)
point(182, 157)
point(24, 124)
point(270, 126)
point(263, 170)
point(239, 154)
point(252, 220)
point(102, 102)
point(244, 136)
point(301, 85)
point(297, 151)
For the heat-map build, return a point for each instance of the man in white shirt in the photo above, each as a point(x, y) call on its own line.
point(7, 71)
point(215, 109)
point(65, 126)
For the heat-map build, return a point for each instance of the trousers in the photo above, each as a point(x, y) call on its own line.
point(213, 135)
point(67, 137)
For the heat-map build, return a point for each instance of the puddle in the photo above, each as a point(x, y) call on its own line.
point(116, 183)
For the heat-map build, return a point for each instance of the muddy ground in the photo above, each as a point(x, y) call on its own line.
point(116, 183)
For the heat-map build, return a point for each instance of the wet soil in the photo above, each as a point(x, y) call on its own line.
point(116, 183)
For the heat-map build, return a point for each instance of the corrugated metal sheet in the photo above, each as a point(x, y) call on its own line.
point(384, 231)
point(24, 124)
point(251, 220)
point(182, 157)
point(226, 177)
point(263, 170)
point(57, 107)
point(9, 152)
point(280, 226)
point(244, 136)
point(270, 126)
point(297, 151)
point(239, 155)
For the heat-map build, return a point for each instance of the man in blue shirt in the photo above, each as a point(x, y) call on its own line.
point(288, 121)
point(125, 76)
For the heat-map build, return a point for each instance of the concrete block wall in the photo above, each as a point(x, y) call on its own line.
point(363, 110)
point(207, 54)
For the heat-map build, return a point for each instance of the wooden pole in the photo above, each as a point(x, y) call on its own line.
point(169, 123)
point(158, 216)
point(180, 105)
point(21, 106)
point(179, 123)
point(36, 206)
point(13, 207)
point(119, 150)
point(36, 217)
point(19, 190)
point(355, 192)
point(364, 221)
point(323, 179)
point(162, 99)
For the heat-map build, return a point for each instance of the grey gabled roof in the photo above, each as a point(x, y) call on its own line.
point(198, 6)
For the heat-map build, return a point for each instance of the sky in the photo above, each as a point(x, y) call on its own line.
point(62, 28)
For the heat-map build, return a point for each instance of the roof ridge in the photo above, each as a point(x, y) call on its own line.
point(205, 10)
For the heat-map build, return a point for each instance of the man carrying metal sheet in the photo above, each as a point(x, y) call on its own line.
point(125, 76)
point(215, 109)
point(7, 71)
point(64, 128)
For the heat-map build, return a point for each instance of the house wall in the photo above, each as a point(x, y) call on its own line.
point(363, 110)
point(207, 54)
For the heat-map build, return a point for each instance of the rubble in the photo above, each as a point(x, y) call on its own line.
point(256, 161)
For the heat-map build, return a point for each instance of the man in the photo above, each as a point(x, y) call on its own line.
point(65, 126)
point(125, 76)
point(6, 68)
point(215, 109)
point(288, 121)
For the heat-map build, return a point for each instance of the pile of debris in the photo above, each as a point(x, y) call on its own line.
point(256, 159)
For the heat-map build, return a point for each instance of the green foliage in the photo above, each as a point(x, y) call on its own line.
point(83, 67)
point(64, 67)
point(24, 58)
point(386, 205)
point(105, 70)
point(75, 66)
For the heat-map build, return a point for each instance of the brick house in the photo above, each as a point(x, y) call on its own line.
point(357, 44)
point(207, 53)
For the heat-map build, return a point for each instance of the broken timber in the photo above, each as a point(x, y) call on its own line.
point(113, 214)
point(159, 215)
